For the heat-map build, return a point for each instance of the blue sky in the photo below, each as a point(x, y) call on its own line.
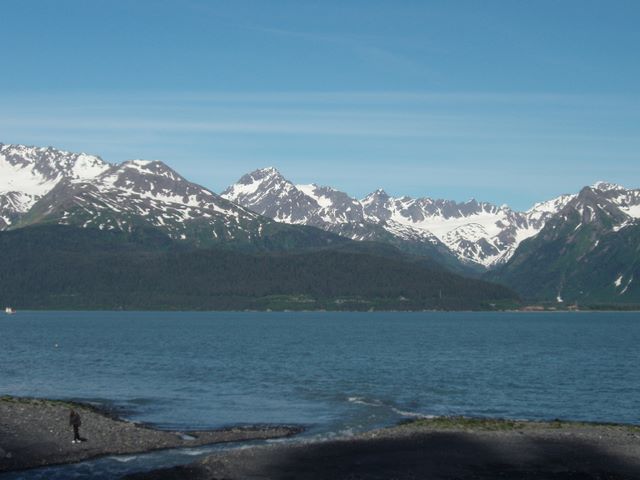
point(506, 101)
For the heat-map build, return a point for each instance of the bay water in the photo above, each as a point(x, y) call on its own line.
point(334, 373)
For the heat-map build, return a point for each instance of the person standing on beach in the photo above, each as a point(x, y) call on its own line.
point(75, 422)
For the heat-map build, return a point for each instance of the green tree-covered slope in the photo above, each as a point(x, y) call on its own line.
point(589, 254)
point(65, 267)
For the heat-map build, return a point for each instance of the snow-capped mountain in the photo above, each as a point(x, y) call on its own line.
point(586, 252)
point(53, 186)
point(28, 173)
point(628, 201)
point(542, 211)
point(267, 192)
point(270, 194)
point(475, 232)
point(142, 192)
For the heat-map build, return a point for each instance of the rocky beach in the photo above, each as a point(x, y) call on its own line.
point(36, 433)
point(441, 448)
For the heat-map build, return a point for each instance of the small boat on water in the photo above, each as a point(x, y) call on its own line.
point(9, 311)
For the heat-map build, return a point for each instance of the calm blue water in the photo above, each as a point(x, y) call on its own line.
point(333, 372)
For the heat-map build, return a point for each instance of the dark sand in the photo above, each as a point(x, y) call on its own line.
point(438, 449)
point(35, 433)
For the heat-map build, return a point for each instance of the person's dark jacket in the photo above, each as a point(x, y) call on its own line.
point(74, 419)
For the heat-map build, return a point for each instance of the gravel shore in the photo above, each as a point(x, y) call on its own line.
point(35, 433)
point(444, 448)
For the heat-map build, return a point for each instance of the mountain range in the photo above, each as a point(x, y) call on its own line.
point(478, 234)
point(580, 247)
point(79, 232)
point(50, 186)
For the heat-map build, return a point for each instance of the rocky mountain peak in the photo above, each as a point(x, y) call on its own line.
point(542, 211)
point(152, 179)
point(376, 205)
point(589, 213)
point(262, 174)
point(606, 186)
point(268, 171)
point(267, 192)
point(594, 208)
point(377, 196)
point(255, 182)
point(28, 173)
point(149, 168)
point(36, 170)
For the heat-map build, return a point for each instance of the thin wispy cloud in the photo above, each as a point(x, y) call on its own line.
point(447, 103)
point(368, 47)
point(362, 46)
point(454, 115)
point(332, 97)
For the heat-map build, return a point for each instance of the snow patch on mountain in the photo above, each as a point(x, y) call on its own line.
point(632, 211)
point(407, 232)
point(22, 178)
point(241, 189)
point(626, 200)
point(626, 287)
point(313, 191)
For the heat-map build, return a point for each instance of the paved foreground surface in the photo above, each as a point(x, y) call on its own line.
point(438, 449)
point(36, 433)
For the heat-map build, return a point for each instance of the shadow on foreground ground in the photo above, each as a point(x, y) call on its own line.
point(425, 456)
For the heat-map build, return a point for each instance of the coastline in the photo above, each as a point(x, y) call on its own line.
point(439, 448)
point(635, 309)
point(36, 433)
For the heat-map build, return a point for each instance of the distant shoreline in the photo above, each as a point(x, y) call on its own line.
point(591, 310)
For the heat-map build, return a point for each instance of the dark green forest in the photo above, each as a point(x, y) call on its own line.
point(58, 267)
point(579, 263)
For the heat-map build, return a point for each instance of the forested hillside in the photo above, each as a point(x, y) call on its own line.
point(65, 267)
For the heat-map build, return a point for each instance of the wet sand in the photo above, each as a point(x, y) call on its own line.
point(35, 433)
point(437, 449)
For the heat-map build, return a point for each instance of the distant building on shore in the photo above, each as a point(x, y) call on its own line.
point(532, 308)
